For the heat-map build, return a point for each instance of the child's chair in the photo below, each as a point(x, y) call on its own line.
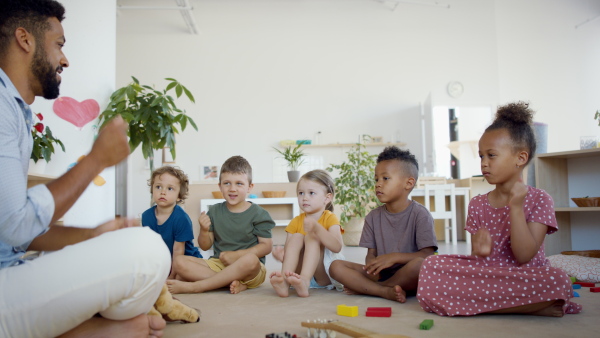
point(439, 193)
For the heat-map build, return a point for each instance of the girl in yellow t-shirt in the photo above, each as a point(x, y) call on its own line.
point(314, 239)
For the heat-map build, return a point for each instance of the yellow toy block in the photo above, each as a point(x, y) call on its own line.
point(348, 311)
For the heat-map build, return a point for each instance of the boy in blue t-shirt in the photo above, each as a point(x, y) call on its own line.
point(169, 186)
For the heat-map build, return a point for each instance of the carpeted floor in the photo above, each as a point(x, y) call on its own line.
point(258, 312)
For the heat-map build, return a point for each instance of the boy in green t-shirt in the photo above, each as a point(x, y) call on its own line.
point(240, 232)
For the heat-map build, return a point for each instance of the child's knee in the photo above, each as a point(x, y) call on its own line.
point(335, 267)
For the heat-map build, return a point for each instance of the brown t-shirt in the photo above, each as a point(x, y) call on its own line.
point(408, 231)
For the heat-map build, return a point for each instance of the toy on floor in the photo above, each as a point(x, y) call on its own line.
point(587, 285)
point(379, 312)
point(348, 311)
point(576, 286)
point(172, 309)
point(426, 324)
point(595, 289)
point(573, 280)
point(575, 294)
point(281, 335)
point(324, 329)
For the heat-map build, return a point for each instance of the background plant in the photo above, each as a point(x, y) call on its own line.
point(152, 115)
point(43, 141)
point(293, 156)
point(597, 116)
point(355, 185)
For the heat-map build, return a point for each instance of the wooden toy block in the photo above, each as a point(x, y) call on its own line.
point(595, 289)
point(573, 279)
point(348, 311)
point(379, 312)
point(426, 324)
point(587, 285)
point(576, 286)
point(575, 294)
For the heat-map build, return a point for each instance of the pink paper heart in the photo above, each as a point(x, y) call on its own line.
point(78, 113)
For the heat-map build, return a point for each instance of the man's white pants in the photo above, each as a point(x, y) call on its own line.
point(118, 274)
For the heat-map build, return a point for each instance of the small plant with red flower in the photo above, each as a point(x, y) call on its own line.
point(43, 141)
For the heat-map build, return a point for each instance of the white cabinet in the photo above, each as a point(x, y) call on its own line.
point(565, 175)
point(282, 210)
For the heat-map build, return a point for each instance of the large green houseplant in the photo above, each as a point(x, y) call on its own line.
point(294, 157)
point(355, 189)
point(151, 114)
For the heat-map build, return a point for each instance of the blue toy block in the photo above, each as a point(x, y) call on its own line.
point(576, 286)
point(575, 294)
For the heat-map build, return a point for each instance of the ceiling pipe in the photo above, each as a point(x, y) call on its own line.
point(183, 6)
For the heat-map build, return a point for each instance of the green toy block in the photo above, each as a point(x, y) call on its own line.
point(573, 280)
point(348, 311)
point(426, 324)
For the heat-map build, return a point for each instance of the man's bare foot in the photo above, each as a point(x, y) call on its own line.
point(236, 287)
point(140, 326)
point(278, 282)
point(395, 293)
point(300, 284)
point(278, 252)
point(177, 286)
point(350, 291)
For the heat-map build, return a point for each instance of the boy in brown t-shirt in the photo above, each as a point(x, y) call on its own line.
point(398, 235)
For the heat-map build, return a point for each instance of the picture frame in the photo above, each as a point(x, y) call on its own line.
point(210, 173)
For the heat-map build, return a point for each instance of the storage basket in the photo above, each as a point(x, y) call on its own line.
point(217, 194)
point(273, 194)
point(587, 201)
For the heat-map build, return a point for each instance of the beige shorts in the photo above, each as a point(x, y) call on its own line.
point(216, 265)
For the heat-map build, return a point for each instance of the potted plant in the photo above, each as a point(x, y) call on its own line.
point(43, 141)
point(355, 190)
point(152, 115)
point(294, 157)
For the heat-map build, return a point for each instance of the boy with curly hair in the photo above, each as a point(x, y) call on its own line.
point(169, 187)
point(398, 235)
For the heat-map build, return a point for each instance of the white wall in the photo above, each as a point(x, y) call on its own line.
point(544, 59)
point(267, 70)
point(90, 28)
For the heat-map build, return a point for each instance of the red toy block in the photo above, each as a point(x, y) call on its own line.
point(595, 289)
point(379, 312)
point(587, 285)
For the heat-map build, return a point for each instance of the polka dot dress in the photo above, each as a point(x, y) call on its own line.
point(464, 285)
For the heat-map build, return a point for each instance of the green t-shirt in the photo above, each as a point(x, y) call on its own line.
point(238, 231)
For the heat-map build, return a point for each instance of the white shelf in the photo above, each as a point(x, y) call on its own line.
point(293, 201)
point(343, 145)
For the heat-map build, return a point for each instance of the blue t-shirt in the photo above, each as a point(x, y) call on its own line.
point(177, 228)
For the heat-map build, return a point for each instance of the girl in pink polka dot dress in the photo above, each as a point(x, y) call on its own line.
point(508, 271)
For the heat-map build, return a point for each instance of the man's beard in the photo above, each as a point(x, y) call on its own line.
point(45, 73)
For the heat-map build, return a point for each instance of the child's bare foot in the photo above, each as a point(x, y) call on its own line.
point(278, 252)
point(350, 291)
point(300, 285)
point(395, 293)
point(140, 326)
point(177, 286)
point(278, 282)
point(552, 310)
point(236, 287)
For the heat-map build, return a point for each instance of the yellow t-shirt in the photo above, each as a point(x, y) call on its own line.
point(327, 219)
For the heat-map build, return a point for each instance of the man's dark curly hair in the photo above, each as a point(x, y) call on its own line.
point(32, 15)
point(517, 119)
point(408, 160)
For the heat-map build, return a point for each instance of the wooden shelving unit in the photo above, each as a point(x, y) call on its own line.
point(343, 145)
point(565, 175)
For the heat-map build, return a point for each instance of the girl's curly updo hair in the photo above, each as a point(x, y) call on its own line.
point(517, 119)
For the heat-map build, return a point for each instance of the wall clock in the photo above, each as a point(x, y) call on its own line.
point(455, 89)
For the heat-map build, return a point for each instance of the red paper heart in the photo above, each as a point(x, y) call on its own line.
point(75, 112)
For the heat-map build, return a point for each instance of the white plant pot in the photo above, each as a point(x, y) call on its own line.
point(293, 175)
point(37, 168)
